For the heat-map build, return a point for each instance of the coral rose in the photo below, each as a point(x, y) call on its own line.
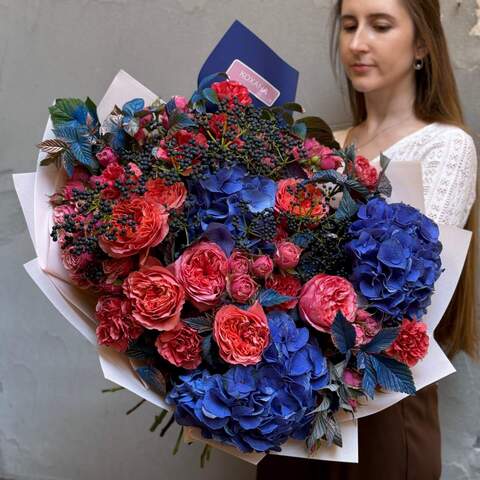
point(308, 201)
point(116, 326)
point(322, 297)
point(149, 229)
point(241, 335)
point(157, 297)
point(412, 343)
point(202, 271)
point(168, 196)
point(181, 346)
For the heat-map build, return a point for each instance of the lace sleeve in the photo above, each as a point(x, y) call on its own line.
point(449, 177)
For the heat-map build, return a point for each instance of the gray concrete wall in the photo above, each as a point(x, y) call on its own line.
point(54, 422)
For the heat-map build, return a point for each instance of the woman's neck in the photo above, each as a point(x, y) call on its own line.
point(387, 106)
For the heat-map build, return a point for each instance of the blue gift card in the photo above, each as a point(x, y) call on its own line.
point(248, 60)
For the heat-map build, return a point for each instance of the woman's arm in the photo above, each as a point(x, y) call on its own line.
point(449, 166)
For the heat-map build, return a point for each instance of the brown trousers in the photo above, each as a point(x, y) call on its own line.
point(400, 443)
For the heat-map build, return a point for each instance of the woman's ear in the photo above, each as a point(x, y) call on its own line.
point(421, 49)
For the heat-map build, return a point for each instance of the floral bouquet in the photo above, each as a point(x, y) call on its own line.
point(238, 268)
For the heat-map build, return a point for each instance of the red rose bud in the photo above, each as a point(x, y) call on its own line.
point(263, 266)
point(106, 156)
point(287, 255)
point(242, 287)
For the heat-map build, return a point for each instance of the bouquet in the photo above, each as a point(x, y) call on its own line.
point(249, 270)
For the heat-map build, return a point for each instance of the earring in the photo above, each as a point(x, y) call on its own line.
point(418, 65)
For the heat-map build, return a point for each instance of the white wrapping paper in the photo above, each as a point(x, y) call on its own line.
point(78, 306)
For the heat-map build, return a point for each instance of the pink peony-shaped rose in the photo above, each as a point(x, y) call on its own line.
point(287, 255)
point(238, 262)
point(73, 262)
point(287, 285)
point(304, 202)
point(70, 187)
point(262, 266)
point(322, 297)
point(412, 343)
point(241, 335)
point(181, 346)
point(366, 172)
point(151, 227)
point(116, 327)
point(60, 211)
point(116, 268)
point(157, 297)
point(106, 156)
point(168, 196)
point(242, 287)
point(202, 271)
point(321, 156)
point(366, 327)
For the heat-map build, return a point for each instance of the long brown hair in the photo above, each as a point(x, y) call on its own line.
point(437, 100)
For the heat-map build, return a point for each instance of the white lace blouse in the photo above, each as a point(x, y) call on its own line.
point(449, 168)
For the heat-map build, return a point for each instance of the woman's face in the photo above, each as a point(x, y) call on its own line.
point(378, 34)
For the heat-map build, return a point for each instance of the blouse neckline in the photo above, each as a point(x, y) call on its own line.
point(403, 139)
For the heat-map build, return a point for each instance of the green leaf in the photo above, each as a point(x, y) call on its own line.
point(384, 161)
point(79, 144)
point(211, 95)
point(347, 208)
point(319, 129)
point(369, 381)
point(357, 186)
point(381, 341)
point(300, 129)
point(332, 176)
point(154, 378)
point(210, 78)
point(270, 298)
point(92, 109)
point(62, 110)
point(294, 107)
point(393, 375)
point(343, 333)
point(384, 187)
point(68, 161)
point(200, 324)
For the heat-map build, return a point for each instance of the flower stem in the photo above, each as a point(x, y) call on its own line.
point(112, 390)
point(177, 443)
point(158, 420)
point(136, 406)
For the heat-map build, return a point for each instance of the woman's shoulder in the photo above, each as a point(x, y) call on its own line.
point(448, 134)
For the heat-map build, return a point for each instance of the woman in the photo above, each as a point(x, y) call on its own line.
point(405, 104)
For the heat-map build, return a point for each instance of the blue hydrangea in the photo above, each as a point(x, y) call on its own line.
point(396, 257)
point(220, 197)
point(257, 407)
